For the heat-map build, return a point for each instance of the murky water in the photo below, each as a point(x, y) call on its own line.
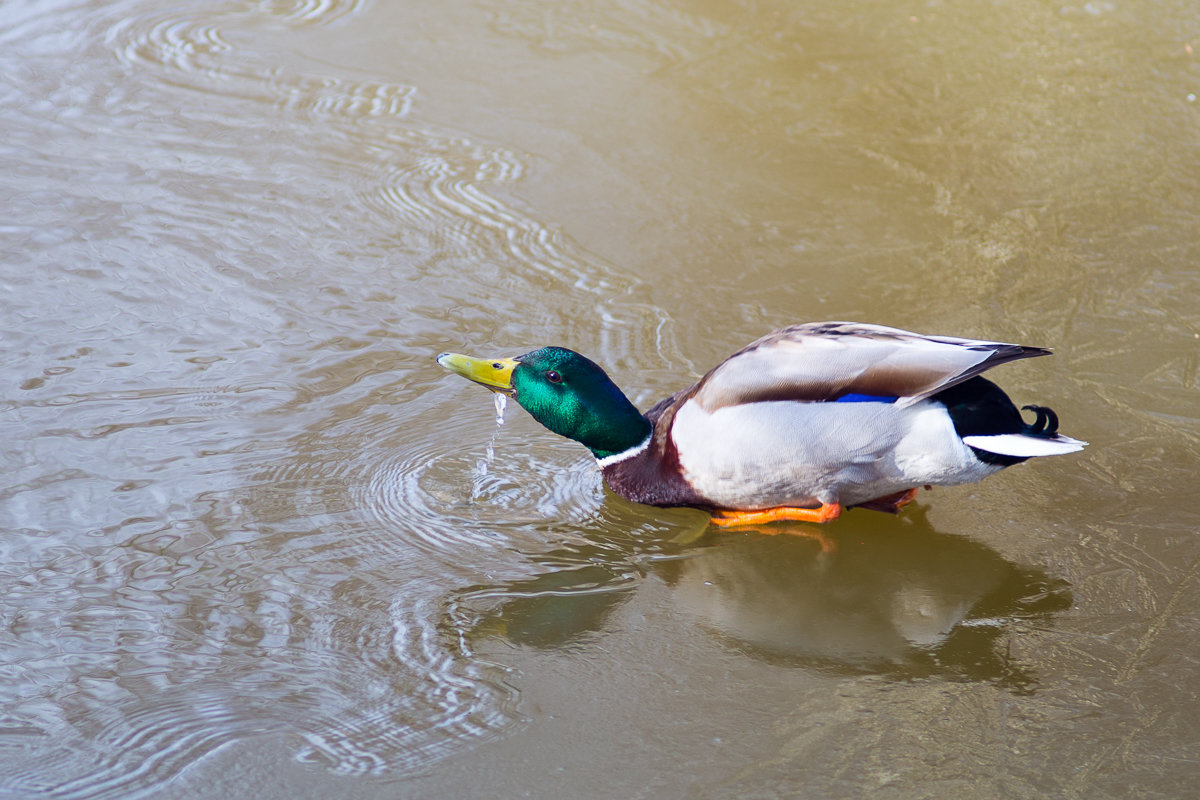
point(255, 542)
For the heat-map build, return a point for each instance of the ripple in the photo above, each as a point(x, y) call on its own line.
point(311, 12)
point(440, 190)
point(450, 500)
point(289, 600)
point(329, 97)
point(134, 678)
point(449, 701)
point(443, 187)
point(182, 43)
point(148, 748)
point(195, 52)
point(435, 192)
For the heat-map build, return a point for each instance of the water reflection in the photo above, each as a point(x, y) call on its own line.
point(882, 595)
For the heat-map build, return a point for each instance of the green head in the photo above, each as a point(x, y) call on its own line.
point(564, 391)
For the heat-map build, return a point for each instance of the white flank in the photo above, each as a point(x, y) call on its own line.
point(1021, 446)
point(778, 453)
point(624, 454)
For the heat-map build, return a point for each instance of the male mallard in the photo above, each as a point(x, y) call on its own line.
point(800, 424)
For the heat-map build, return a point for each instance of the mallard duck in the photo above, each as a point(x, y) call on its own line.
point(804, 422)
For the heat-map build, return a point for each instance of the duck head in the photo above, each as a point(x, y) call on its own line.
point(564, 391)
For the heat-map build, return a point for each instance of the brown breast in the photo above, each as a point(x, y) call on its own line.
point(654, 476)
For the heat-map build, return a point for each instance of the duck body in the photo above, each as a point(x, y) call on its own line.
point(829, 415)
point(763, 455)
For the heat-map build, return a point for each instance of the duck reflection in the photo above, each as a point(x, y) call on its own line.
point(886, 595)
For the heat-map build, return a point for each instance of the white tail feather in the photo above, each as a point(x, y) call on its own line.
point(1020, 445)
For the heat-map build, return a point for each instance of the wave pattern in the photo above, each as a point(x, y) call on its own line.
point(311, 12)
point(151, 660)
point(457, 700)
point(423, 184)
point(196, 53)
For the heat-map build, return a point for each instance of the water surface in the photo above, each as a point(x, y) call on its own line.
point(254, 541)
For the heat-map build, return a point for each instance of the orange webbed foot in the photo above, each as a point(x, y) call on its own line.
point(826, 512)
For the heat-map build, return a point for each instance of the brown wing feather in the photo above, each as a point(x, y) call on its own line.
point(822, 361)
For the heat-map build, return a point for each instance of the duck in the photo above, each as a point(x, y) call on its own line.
point(801, 424)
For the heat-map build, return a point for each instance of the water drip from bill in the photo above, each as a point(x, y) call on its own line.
point(482, 468)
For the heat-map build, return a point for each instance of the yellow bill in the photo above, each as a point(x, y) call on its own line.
point(494, 373)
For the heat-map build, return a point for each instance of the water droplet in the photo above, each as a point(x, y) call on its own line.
point(501, 404)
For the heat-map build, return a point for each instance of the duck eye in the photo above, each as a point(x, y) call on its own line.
point(553, 377)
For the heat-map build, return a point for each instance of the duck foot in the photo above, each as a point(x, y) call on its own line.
point(827, 512)
point(890, 503)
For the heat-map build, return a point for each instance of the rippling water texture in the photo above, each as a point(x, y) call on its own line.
point(253, 542)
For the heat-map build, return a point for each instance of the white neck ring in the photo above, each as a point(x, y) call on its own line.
point(616, 458)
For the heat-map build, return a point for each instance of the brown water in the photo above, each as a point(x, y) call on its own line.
point(256, 543)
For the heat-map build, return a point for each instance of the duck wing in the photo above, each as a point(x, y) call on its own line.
point(825, 361)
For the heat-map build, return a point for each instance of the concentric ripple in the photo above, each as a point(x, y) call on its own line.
point(311, 12)
point(389, 696)
point(441, 190)
point(451, 700)
point(447, 500)
point(197, 53)
point(179, 43)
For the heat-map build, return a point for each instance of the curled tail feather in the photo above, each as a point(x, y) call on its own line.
point(1045, 425)
point(1038, 438)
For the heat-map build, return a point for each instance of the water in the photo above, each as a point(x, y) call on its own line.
point(253, 540)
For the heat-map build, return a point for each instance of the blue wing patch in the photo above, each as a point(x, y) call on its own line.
point(865, 398)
